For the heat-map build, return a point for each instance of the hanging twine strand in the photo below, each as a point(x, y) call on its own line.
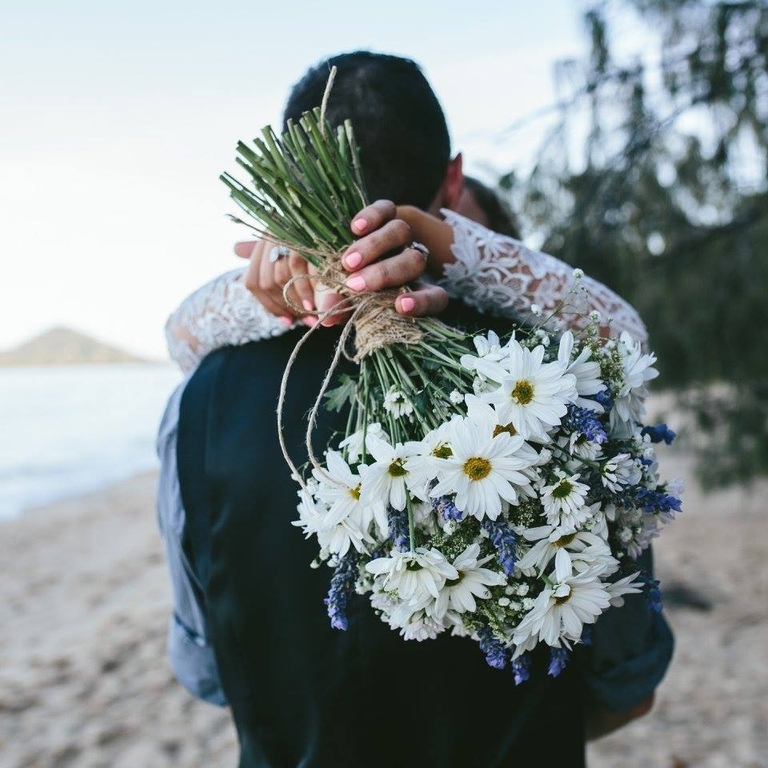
point(375, 323)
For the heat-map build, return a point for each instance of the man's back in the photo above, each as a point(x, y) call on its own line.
point(302, 693)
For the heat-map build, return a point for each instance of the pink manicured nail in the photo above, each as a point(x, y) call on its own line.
point(356, 283)
point(359, 225)
point(353, 259)
point(310, 322)
point(407, 304)
point(285, 319)
point(308, 305)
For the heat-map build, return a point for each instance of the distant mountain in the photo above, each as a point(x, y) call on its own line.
point(63, 346)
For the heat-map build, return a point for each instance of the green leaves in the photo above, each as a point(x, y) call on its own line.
point(344, 394)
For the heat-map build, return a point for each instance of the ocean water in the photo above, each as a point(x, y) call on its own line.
point(67, 430)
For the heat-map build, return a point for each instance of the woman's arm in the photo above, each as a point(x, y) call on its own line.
point(222, 313)
point(492, 272)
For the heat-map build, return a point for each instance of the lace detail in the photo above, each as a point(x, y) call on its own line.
point(495, 272)
point(223, 313)
point(491, 273)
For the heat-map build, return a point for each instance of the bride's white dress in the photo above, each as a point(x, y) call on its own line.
point(492, 272)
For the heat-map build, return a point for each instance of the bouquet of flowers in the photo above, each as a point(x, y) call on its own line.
point(492, 488)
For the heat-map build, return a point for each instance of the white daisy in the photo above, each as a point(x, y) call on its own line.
point(631, 391)
point(426, 462)
point(415, 625)
point(355, 443)
point(585, 548)
point(343, 495)
point(482, 470)
point(473, 581)
point(625, 586)
point(586, 371)
point(562, 609)
point(490, 354)
point(397, 403)
point(417, 577)
point(386, 479)
point(565, 502)
point(534, 395)
point(334, 536)
point(619, 472)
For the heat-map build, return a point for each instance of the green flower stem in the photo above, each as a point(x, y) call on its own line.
point(411, 523)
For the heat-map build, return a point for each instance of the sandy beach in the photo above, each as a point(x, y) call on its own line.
point(84, 680)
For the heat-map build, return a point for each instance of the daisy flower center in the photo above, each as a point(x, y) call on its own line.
point(563, 598)
point(564, 541)
point(477, 468)
point(562, 490)
point(500, 429)
point(523, 392)
point(396, 469)
point(355, 493)
point(442, 451)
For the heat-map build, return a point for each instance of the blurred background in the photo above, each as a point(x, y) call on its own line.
point(629, 137)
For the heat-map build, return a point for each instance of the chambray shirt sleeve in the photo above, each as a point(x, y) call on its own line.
point(191, 657)
point(632, 647)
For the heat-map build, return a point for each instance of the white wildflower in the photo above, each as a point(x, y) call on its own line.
point(483, 470)
point(565, 501)
point(416, 577)
point(534, 395)
point(620, 472)
point(561, 610)
point(397, 403)
point(631, 391)
point(472, 581)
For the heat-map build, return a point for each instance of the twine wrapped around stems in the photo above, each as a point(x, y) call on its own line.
point(376, 325)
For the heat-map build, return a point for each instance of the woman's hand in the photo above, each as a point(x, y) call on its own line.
point(381, 258)
point(267, 276)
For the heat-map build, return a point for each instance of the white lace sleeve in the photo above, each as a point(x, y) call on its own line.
point(223, 313)
point(494, 272)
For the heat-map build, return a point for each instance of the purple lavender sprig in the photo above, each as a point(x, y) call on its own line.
point(505, 541)
point(342, 585)
point(444, 507)
point(496, 654)
point(558, 661)
point(659, 433)
point(587, 423)
point(521, 668)
point(398, 528)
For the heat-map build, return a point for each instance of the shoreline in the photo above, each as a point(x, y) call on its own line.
point(84, 605)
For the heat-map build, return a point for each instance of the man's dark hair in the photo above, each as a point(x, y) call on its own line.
point(398, 122)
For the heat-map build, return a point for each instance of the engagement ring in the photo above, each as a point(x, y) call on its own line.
point(277, 253)
point(422, 249)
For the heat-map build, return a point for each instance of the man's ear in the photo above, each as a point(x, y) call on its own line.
point(453, 185)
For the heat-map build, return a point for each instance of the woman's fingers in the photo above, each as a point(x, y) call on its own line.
point(392, 236)
point(373, 216)
point(245, 248)
point(303, 290)
point(369, 259)
point(393, 272)
point(423, 300)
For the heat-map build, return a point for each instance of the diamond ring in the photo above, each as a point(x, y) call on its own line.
point(278, 252)
point(422, 249)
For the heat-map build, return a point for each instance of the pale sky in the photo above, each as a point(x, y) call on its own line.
point(117, 120)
